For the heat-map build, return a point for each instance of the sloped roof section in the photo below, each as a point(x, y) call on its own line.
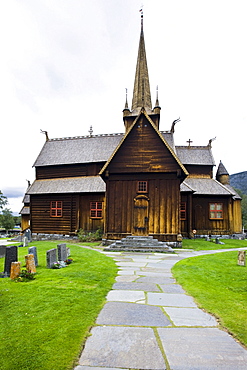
point(161, 135)
point(195, 155)
point(92, 184)
point(206, 186)
point(83, 149)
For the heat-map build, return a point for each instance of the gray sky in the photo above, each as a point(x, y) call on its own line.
point(65, 65)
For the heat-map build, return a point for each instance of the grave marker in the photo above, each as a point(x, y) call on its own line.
point(62, 252)
point(241, 258)
point(10, 256)
point(51, 257)
point(15, 270)
point(30, 263)
point(33, 250)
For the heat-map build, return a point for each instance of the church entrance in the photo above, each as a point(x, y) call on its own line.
point(140, 219)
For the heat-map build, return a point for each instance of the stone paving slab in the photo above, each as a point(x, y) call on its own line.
point(132, 314)
point(126, 296)
point(122, 347)
point(164, 272)
point(171, 288)
point(183, 316)
point(146, 287)
point(131, 264)
point(167, 299)
point(156, 280)
point(126, 278)
point(79, 367)
point(202, 349)
point(126, 272)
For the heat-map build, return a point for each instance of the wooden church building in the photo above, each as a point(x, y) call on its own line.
point(136, 183)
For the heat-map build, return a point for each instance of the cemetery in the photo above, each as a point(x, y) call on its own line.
point(68, 300)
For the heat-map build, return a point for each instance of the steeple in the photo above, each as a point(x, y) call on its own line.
point(141, 92)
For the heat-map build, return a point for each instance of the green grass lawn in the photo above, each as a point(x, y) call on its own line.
point(219, 286)
point(44, 322)
point(200, 244)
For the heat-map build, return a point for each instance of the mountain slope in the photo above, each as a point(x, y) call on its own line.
point(239, 181)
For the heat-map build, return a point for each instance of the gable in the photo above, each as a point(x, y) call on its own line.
point(143, 149)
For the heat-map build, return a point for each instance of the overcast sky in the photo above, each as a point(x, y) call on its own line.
point(65, 65)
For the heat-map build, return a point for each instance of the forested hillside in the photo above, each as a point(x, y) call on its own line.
point(239, 181)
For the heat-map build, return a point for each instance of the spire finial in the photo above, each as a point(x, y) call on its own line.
point(141, 11)
point(157, 97)
point(126, 102)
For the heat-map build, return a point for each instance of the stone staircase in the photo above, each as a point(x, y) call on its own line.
point(139, 244)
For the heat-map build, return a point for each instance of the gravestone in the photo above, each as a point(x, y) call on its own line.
point(2, 251)
point(68, 251)
point(15, 270)
point(30, 263)
point(25, 241)
point(62, 252)
point(28, 234)
point(241, 258)
point(33, 250)
point(11, 255)
point(51, 257)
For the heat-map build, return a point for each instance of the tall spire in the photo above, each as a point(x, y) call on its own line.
point(141, 93)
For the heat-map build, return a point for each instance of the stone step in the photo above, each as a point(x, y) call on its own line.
point(139, 243)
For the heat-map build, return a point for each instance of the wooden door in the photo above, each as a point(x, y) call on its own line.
point(140, 227)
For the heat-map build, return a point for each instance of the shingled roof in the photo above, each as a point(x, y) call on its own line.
point(206, 186)
point(196, 155)
point(87, 184)
point(79, 149)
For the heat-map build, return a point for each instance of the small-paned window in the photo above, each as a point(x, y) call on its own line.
point(216, 211)
point(183, 211)
point(142, 186)
point(56, 208)
point(96, 209)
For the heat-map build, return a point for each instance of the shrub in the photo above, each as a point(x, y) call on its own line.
point(90, 236)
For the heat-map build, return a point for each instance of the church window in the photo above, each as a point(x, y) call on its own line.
point(96, 209)
point(56, 208)
point(216, 211)
point(142, 186)
point(183, 211)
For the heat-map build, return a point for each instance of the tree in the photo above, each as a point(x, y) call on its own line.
point(7, 220)
point(244, 207)
point(3, 200)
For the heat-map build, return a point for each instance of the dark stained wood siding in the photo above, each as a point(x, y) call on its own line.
point(76, 213)
point(200, 171)
point(143, 151)
point(72, 170)
point(42, 222)
point(85, 222)
point(164, 199)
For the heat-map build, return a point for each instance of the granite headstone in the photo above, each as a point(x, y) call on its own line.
point(11, 255)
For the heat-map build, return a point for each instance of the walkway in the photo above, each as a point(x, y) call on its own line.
point(149, 322)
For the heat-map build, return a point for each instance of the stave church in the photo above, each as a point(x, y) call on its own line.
point(133, 183)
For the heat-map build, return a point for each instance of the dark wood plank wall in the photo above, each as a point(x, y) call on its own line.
point(76, 213)
point(42, 222)
point(200, 171)
point(72, 170)
point(164, 198)
point(143, 151)
point(85, 222)
point(200, 216)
